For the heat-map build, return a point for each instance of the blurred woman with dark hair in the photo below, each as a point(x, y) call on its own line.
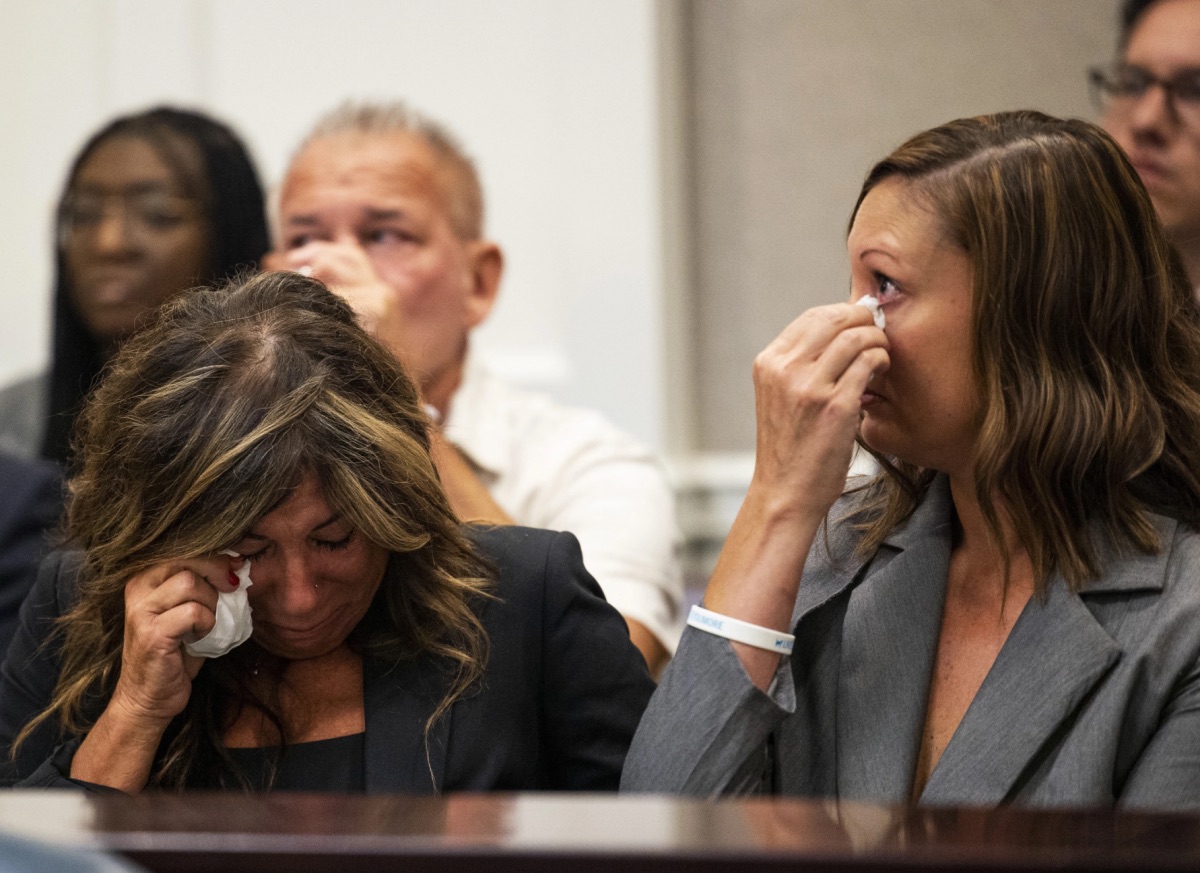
point(1010, 611)
point(155, 203)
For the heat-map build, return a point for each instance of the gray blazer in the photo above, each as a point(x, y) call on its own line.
point(1094, 699)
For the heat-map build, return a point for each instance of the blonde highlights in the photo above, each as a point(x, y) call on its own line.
point(204, 423)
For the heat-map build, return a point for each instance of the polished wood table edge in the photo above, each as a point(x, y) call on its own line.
point(469, 832)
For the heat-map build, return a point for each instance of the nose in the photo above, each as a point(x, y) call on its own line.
point(111, 236)
point(1152, 113)
point(295, 591)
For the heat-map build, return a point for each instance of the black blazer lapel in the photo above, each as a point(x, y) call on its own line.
point(398, 701)
point(1055, 655)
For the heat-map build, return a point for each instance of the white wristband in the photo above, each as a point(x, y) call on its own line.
point(740, 631)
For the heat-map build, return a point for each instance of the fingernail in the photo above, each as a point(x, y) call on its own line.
point(234, 580)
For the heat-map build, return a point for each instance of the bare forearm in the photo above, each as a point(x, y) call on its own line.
point(468, 496)
point(647, 643)
point(758, 574)
point(118, 751)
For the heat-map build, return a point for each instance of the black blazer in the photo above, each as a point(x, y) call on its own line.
point(30, 503)
point(556, 709)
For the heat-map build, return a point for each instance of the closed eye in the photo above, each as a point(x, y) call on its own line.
point(334, 545)
point(254, 556)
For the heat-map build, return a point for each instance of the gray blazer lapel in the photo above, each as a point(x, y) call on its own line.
point(398, 701)
point(889, 642)
point(1054, 656)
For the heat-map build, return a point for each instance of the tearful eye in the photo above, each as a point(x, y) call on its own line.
point(885, 289)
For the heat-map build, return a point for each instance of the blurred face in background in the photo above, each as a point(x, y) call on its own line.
point(132, 236)
point(1160, 131)
point(386, 196)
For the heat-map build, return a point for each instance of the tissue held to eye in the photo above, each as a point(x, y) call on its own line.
point(233, 626)
point(872, 304)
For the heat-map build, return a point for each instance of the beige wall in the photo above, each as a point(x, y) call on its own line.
point(791, 101)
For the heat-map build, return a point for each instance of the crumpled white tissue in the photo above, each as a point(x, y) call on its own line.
point(872, 304)
point(233, 625)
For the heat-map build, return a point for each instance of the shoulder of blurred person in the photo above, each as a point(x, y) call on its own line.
point(29, 511)
point(23, 407)
point(565, 468)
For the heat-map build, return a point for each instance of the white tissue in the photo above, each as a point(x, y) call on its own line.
point(233, 625)
point(873, 304)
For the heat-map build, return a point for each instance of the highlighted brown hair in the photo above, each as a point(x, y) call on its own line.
point(205, 421)
point(1086, 339)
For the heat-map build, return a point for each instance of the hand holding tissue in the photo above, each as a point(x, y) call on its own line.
point(233, 626)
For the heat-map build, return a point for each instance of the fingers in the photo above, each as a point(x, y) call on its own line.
point(849, 347)
point(814, 352)
point(812, 331)
point(339, 264)
point(199, 579)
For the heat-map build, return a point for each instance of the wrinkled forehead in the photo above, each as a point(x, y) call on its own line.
point(364, 171)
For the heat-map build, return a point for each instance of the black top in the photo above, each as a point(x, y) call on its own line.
point(336, 764)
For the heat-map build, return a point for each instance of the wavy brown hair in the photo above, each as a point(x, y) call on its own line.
point(205, 421)
point(1086, 340)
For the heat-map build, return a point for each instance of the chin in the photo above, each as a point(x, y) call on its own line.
point(298, 650)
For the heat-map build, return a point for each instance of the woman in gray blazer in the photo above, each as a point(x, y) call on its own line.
point(1010, 611)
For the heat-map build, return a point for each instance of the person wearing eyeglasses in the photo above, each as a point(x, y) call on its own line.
point(1150, 102)
point(155, 202)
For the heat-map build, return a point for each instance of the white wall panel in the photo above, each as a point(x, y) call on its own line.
point(555, 99)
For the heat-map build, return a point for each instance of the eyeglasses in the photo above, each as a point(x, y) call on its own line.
point(145, 213)
point(1117, 87)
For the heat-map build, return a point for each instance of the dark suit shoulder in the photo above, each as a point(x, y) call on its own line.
point(513, 546)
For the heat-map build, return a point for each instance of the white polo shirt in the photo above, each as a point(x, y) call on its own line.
point(568, 469)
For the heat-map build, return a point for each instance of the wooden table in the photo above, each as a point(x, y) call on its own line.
point(589, 833)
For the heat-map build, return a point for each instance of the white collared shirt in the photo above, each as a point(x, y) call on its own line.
point(560, 468)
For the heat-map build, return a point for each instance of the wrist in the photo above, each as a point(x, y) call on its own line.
point(776, 509)
point(134, 720)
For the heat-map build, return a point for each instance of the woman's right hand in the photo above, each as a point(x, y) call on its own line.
point(808, 387)
point(165, 606)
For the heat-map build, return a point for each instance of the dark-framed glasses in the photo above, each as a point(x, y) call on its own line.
point(144, 213)
point(1117, 87)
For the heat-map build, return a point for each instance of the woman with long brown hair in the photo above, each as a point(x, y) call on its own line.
point(391, 648)
point(1010, 611)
